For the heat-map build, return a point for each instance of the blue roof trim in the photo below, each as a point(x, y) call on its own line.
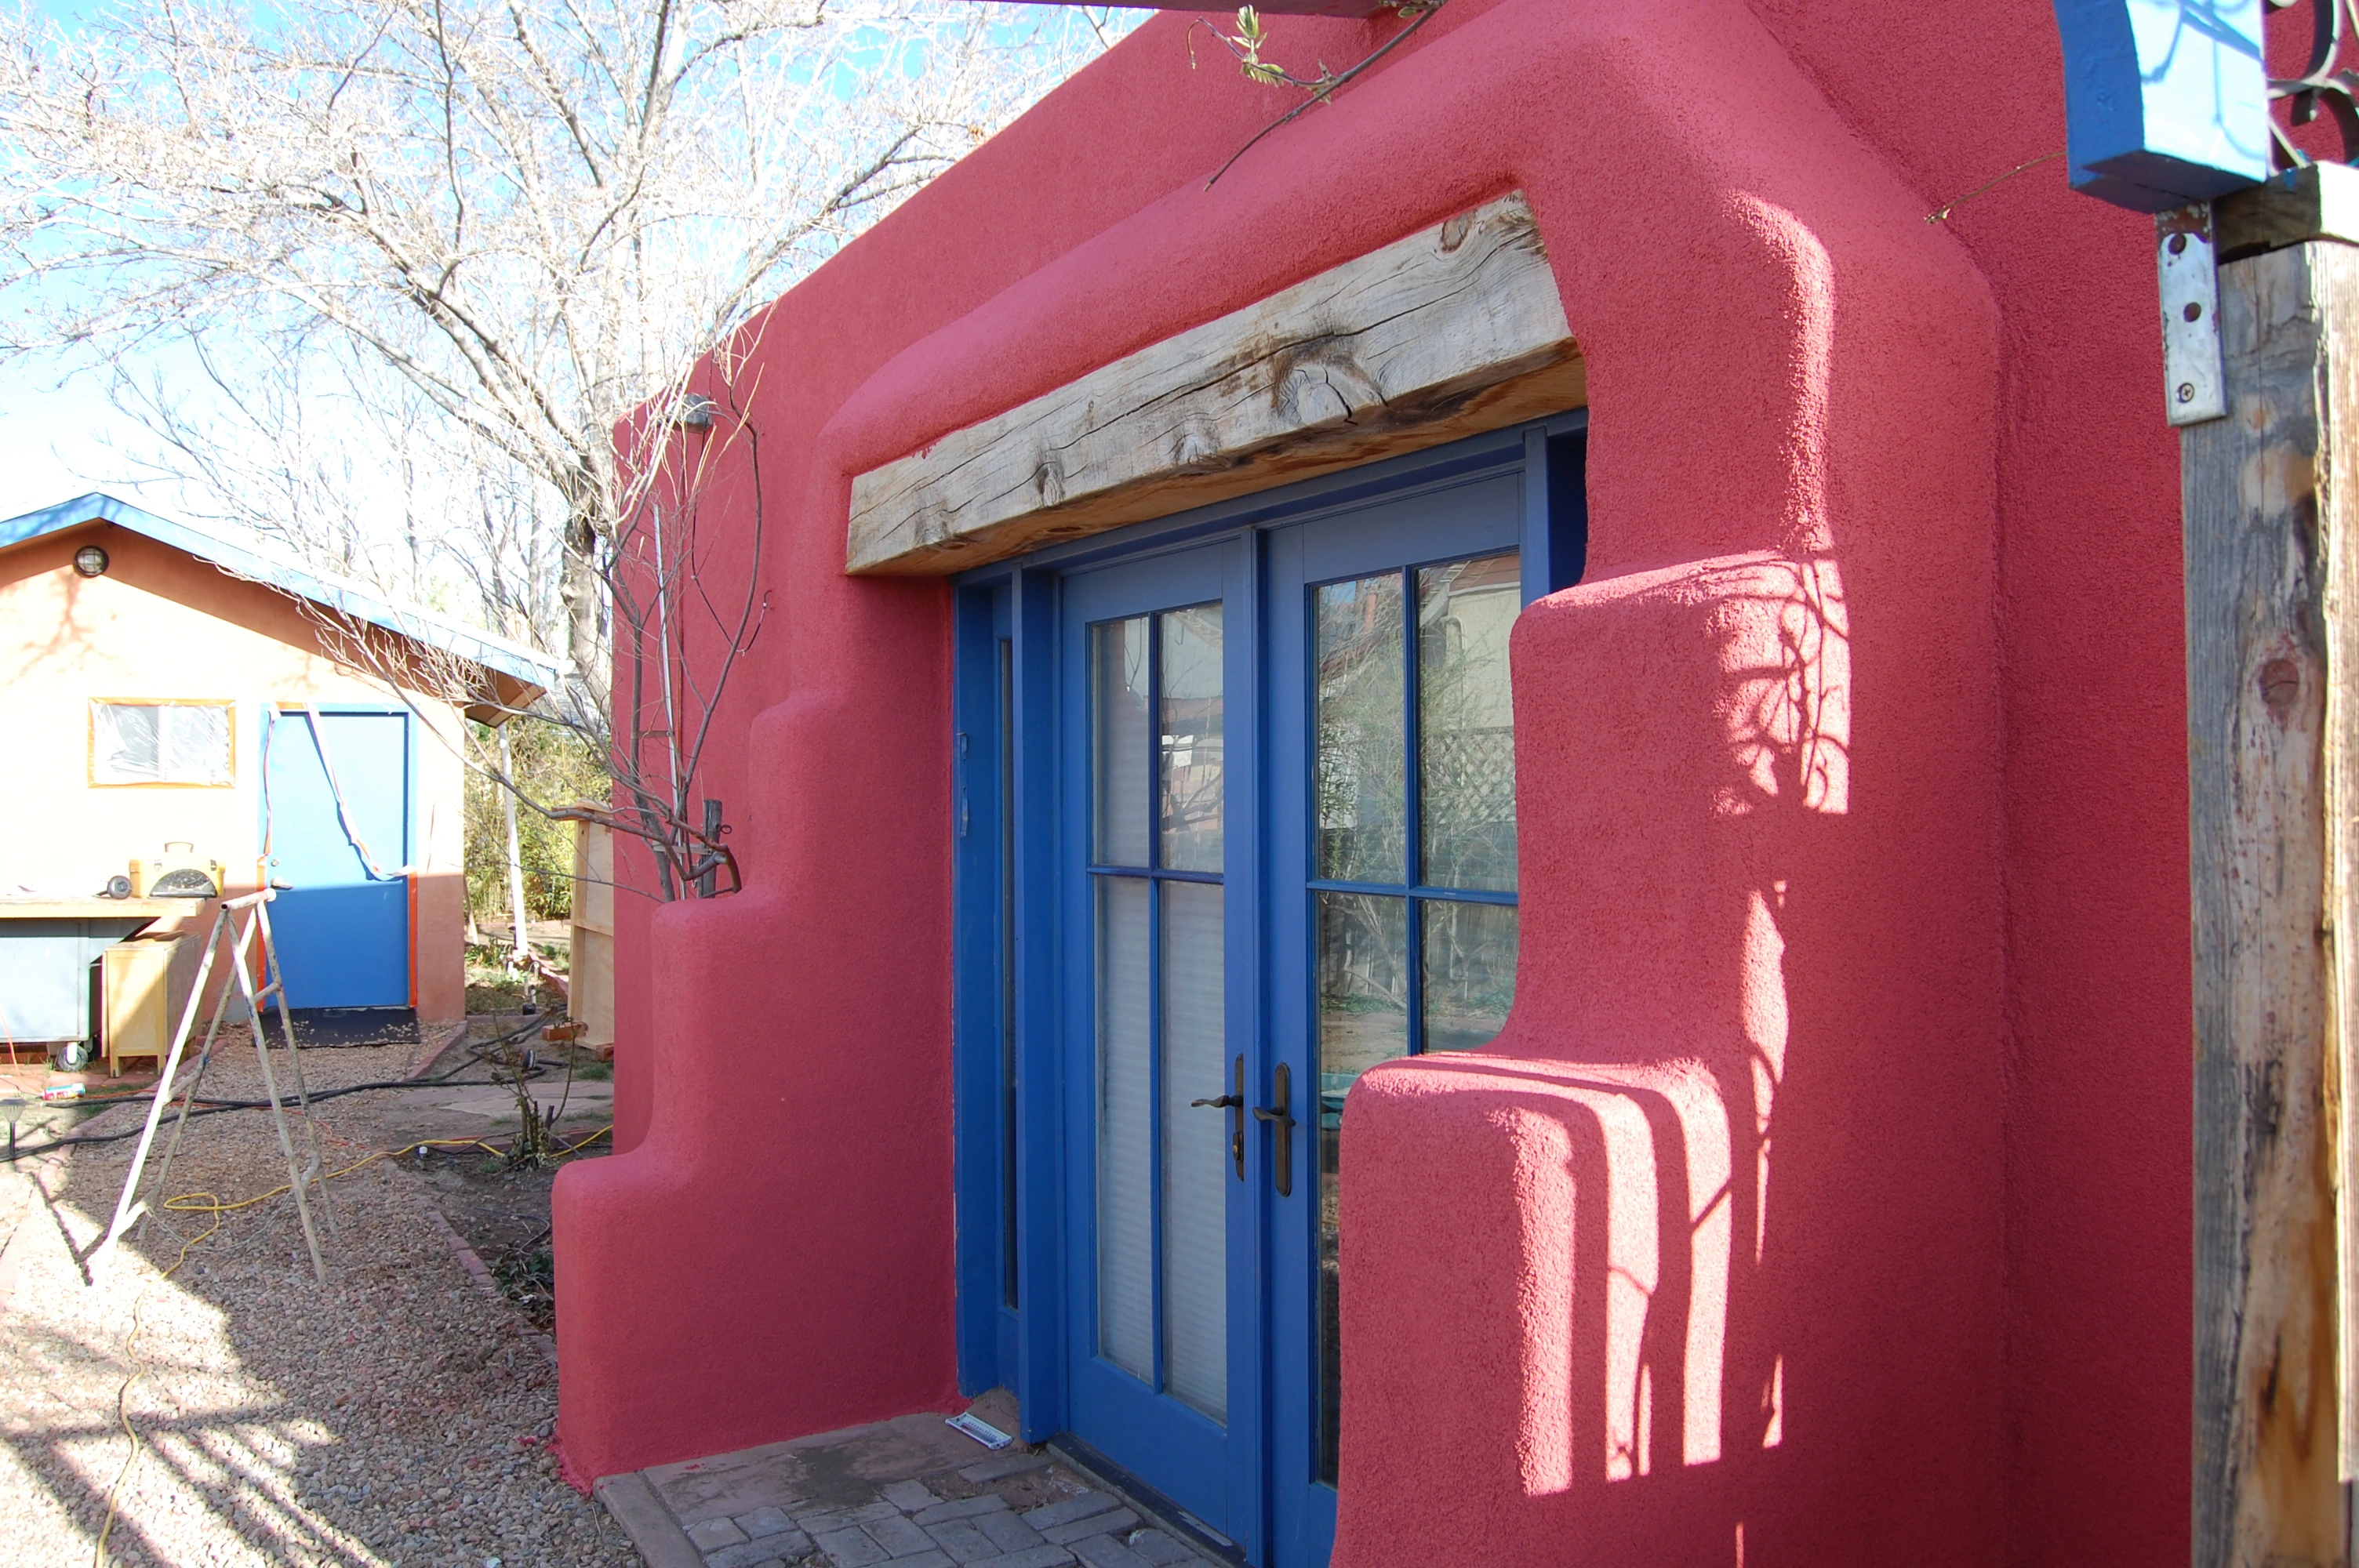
point(511, 659)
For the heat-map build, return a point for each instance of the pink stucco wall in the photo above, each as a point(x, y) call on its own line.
point(163, 623)
point(1826, 1201)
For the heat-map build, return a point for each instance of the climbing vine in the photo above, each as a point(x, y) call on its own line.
point(1252, 37)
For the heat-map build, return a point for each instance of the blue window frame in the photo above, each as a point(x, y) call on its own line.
point(1457, 539)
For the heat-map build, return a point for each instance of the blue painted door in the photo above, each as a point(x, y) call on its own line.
point(1158, 929)
point(1236, 821)
point(1260, 927)
point(343, 931)
point(1391, 909)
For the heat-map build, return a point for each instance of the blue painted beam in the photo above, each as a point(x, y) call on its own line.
point(2167, 101)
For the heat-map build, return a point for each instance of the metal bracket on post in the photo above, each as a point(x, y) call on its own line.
point(2187, 269)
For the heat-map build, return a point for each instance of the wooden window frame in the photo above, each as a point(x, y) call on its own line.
point(89, 740)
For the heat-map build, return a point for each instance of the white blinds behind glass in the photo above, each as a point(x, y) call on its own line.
point(1125, 1150)
point(1195, 1151)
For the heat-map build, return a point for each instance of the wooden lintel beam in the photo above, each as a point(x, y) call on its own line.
point(1451, 331)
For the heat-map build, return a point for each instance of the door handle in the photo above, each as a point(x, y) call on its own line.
point(1280, 1119)
point(1233, 1101)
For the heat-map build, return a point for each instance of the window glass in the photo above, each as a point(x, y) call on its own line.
point(1470, 972)
point(1429, 962)
point(1191, 749)
point(1162, 1233)
point(160, 744)
point(1363, 974)
point(1125, 1130)
point(1361, 784)
point(1466, 733)
point(1195, 1147)
point(1118, 687)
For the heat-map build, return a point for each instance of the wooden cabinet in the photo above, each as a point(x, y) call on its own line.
point(589, 988)
point(143, 996)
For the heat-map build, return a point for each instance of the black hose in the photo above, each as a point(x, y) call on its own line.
point(217, 1106)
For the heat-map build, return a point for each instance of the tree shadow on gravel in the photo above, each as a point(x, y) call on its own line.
point(395, 1415)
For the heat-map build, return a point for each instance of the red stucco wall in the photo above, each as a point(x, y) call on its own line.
point(1851, 784)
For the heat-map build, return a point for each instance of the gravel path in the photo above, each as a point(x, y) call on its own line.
point(393, 1417)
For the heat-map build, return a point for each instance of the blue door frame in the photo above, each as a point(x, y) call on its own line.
point(1021, 1078)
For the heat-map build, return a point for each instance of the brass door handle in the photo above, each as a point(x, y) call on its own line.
point(1280, 1120)
point(1235, 1100)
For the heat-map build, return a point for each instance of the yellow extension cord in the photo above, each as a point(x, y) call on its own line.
point(207, 1202)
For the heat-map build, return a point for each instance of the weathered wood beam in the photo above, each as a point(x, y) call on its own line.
point(2272, 655)
point(1454, 331)
point(2316, 202)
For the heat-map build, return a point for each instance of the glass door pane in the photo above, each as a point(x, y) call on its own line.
point(1118, 691)
point(1192, 747)
point(1158, 841)
point(1195, 1150)
point(1357, 771)
point(1465, 722)
point(1362, 991)
point(1413, 799)
point(1125, 1129)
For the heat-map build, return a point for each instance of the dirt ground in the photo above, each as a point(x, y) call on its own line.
point(397, 1415)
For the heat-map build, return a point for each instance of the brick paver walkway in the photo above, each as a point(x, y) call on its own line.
point(911, 1492)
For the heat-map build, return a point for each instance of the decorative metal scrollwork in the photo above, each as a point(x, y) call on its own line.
point(2321, 85)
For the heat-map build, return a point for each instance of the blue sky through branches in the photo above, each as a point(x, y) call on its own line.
point(62, 434)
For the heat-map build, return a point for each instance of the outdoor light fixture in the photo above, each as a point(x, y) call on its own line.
point(695, 412)
point(90, 561)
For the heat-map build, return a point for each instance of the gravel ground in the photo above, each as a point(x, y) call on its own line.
point(395, 1416)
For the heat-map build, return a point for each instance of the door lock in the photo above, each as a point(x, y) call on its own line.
point(1281, 1125)
point(1235, 1100)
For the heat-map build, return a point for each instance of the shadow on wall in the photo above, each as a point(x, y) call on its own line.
point(1560, 1268)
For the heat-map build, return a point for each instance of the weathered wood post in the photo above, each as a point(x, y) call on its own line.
point(2169, 109)
point(2271, 505)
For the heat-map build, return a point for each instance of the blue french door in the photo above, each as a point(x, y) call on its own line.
point(1236, 823)
point(1158, 680)
point(1391, 911)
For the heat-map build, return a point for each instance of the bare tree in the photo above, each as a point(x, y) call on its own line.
point(681, 623)
point(490, 228)
point(387, 276)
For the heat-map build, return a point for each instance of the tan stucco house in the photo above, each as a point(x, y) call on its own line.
point(177, 702)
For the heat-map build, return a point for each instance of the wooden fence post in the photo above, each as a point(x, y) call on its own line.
point(2271, 503)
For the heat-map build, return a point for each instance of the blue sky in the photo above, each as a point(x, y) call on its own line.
point(53, 443)
point(53, 439)
point(61, 439)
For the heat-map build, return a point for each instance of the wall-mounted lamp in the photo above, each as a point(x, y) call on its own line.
point(695, 413)
point(90, 561)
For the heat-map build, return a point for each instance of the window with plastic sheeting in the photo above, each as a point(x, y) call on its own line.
point(162, 743)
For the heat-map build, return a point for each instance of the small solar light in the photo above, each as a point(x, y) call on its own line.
point(12, 1107)
point(90, 561)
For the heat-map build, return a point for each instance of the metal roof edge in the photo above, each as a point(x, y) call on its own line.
point(341, 594)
